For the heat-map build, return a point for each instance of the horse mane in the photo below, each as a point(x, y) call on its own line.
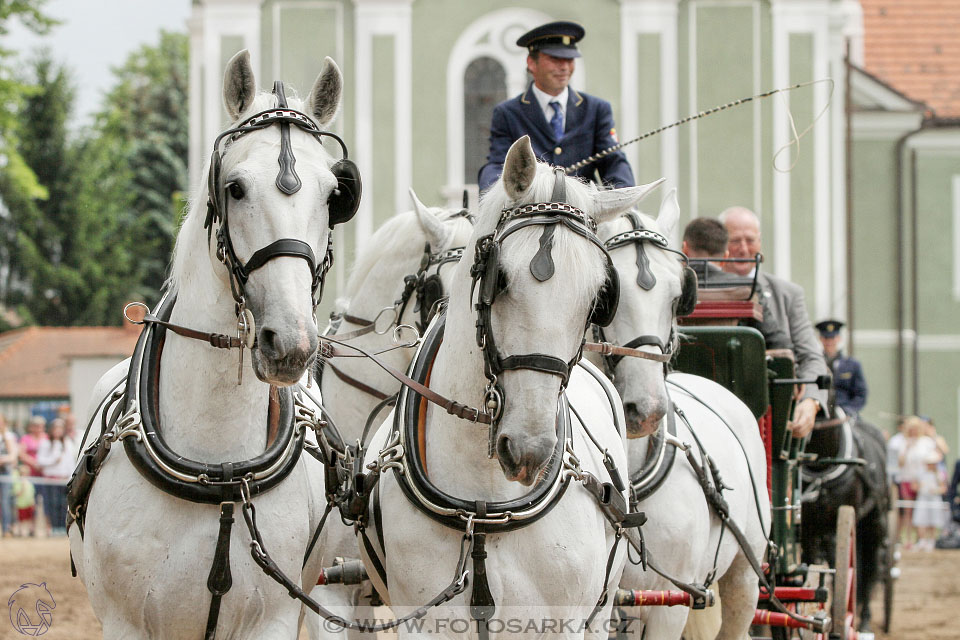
point(568, 247)
point(184, 248)
point(394, 237)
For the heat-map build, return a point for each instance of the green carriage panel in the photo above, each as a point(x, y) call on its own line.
point(734, 357)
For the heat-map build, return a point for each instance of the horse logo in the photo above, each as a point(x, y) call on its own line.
point(30, 609)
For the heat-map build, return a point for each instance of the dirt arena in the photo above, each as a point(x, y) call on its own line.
point(928, 592)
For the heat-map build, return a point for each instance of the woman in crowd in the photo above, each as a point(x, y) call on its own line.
point(8, 462)
point(917, 448)
point(57, 457)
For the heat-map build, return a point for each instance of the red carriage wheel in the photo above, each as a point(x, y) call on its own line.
point(844, 604)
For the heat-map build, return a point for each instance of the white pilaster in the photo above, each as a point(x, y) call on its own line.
point(224, 18)
point(197, 137)
point(378, 18)
point(811, 17)
point(658, 17)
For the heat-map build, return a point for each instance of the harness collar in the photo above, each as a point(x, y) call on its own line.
point(452, 511)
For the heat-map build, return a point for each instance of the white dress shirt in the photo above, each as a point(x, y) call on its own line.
point(545, 99)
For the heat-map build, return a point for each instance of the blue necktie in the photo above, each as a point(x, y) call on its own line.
point(557, 120)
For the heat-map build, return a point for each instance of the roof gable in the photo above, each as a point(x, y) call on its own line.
point(35, 361)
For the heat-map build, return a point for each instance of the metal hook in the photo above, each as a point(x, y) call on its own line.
point(393, 320)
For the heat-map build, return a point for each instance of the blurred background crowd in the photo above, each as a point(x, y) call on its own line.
point(35, 464)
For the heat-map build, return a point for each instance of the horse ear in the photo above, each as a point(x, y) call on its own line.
point(669, 216)
point(519, 168)
point(613, 202)
point(239, 85)
point(438, 235)
point(324, 99)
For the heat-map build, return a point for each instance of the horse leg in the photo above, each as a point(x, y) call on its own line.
point(663, 622)
point(343, 601)
point(739, 590)
point(871, 532)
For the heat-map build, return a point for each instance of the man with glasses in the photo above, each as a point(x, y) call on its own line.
point(785, 301)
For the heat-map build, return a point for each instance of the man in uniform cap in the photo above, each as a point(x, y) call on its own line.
point(848, 382)
point(564, 125)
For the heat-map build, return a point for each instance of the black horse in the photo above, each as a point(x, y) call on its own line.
point(863, 486)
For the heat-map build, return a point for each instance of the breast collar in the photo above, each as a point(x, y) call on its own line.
point(452, 511)
point(209, 483)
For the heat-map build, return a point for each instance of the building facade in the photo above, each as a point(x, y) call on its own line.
point(422, 77)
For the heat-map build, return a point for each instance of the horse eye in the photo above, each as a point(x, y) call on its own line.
point(235, 191)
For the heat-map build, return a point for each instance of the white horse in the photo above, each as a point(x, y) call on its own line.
point(683, 534)
point(551, 571)
point(144, 553)
point(375, 287)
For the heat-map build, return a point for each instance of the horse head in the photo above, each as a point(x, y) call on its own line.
point(541, 276)
point(655, 286)
point(270, 226)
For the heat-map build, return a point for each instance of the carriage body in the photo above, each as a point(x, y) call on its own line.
point(736, 357)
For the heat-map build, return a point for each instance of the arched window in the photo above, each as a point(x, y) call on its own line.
point(484, 87)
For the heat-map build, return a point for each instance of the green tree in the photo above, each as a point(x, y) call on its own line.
point(104, 231)
point(18, 183)
point(145, 120)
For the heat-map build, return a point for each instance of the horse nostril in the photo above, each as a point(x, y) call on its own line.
point(269, 341)
point(631, 411)
point(507, 452)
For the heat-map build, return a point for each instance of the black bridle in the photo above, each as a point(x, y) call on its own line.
point(646, 280)
point(486, 273)
point(287, 182)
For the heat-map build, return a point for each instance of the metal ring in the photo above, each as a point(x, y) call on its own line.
point(398, 336)
point(136, 304)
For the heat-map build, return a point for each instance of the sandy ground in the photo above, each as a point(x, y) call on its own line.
point(927, 593)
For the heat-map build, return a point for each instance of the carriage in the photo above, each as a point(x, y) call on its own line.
point(715, 346)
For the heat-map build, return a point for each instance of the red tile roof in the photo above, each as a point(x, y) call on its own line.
point(914, 46)
point(35, 361)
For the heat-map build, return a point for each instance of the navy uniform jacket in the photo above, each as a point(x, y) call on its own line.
point(849, 383)
point(589, 129)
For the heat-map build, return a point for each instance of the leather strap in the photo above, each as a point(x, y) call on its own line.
point(454, 408)
point(217, 340)
point(220, 579)
point(283, 247)
point(357, 384)
point(610, 349)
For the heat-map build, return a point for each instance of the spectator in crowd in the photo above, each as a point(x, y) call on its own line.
point(928, 514)
point(894, 448)
point(8, 463)
point(57, 457)
point(941, 442)
point(917, 448)
point(24, 496)
point(30, 445)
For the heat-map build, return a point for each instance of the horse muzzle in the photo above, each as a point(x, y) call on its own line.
point(283, 354)
point(643, 420)
point(523, 460)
